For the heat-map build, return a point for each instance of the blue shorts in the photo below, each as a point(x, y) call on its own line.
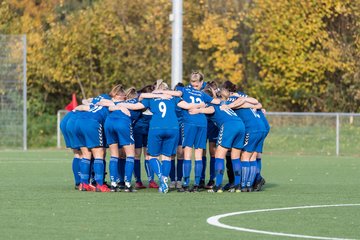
point(141, 135)
point(259, 147)
point(141, 140)
point(231, 135)
point(118, 130)
point(194, 136)
point(63, 124)
point(252, 140)
point(89, 133)
point(212, 132)
point(70, 129)
point(162, 142)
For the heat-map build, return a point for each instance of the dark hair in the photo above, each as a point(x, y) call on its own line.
point(209, 91)
point(147, 89)
point(229, 86)
point(179, 84)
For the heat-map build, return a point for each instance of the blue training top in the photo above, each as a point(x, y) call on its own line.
point(249, 116)
point(164, 115)
point(99, 113)
point(219, 117)
point(192, 95)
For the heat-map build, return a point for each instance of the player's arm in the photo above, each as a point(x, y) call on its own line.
point(207, 110)
point(135, 106)
point(187, 106)
point(105, 103)
point(238, 103)
point(169, 92)
point(154, 95)
point(82, 108)
point(87, 101)
point(120, 108)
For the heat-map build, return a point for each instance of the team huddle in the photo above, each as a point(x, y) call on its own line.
point(164, 125)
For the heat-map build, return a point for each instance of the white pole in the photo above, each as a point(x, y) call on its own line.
point(24, 95)
point(176, 50)
point(58, 130)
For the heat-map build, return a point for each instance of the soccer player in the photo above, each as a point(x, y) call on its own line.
point(119, 134)
point(211, 135)
point(68, 142)
point(163, 131)
point(254, 136)
point(141, 129)
point(89, 132)
point(231, 136)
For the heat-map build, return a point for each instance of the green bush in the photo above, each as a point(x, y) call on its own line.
point(42, 131)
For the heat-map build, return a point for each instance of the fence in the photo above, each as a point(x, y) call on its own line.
point(303, 133)
point(313, 133)
point(13, 91)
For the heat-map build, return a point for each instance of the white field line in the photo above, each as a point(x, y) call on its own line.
point(215, 221)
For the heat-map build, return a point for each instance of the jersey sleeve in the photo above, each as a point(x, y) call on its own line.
point(206, 98)
point(146, 102)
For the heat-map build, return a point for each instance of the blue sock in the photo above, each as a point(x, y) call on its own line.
point(76, 170)
point(186, 172)
point(85, 170)
point(245, 173)
point(129, 168)
point(203, 171)
point(92, 171)
point(258, 169)
point(252, 174)
point(198, 171)
point(172, 170)
point(166, 166)
point(99, 170)
point(156, 166)
point(212, 168)
point(179, 169)
point(121, 166)
point(137, 170)
point(113, 169)
point(219, 169)
point(237, 170)
point(149, 171)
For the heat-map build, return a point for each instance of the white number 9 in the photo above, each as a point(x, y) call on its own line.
point(162, 109)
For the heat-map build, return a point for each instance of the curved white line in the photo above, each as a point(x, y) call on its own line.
point(215, 221)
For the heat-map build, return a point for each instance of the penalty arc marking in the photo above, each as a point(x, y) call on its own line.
point(215, 221)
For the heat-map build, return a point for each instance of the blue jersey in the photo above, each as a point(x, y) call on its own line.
point(99, 113)
point(219, 117)
point(164, 115)
point(249, 116)
point(192, 95)
point(141, 126)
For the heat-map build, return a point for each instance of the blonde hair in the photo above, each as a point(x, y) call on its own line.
point(224, 93)
point(197, 76)
point(117, 90)
point(161, 85)
point(131, 93)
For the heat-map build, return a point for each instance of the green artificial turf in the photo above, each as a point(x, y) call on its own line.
point(38, 201)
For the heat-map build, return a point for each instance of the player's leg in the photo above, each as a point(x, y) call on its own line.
point(199, 146)
point(114, 167)
point(85, 170)
point(219, 167)
point(121, 167)
point(129, 165)
point(99, 166)
point(138, 137)
point(212, 150)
